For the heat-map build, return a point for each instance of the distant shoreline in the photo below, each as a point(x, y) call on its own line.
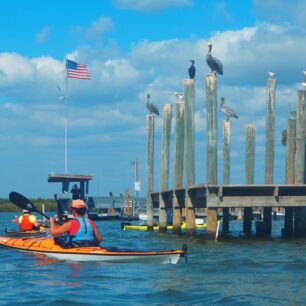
point(49, 205)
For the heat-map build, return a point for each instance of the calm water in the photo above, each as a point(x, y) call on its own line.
point(234, 271)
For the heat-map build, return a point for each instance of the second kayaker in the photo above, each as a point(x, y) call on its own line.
point(79, 231)
point(28, 222)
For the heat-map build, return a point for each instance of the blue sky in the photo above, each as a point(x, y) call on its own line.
point(133, 47)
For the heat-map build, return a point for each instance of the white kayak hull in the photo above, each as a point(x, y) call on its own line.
point(159, 259)
point(48, 247)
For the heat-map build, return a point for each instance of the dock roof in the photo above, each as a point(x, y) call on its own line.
point(60, 178)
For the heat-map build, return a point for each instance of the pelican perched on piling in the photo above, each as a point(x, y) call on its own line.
point(227, 111)
point(214, 64)
point(192, 70)
point(284, 137)
point(152, 108)
point(304, 72)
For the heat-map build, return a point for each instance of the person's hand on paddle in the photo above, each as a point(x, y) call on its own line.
point(52, 222)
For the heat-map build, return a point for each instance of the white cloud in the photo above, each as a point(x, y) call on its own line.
point(150, 5)
point(111, 108)
point(43, 35)
point(96, 29)
point(292, 11)
point(220, 11)
point(99, 27)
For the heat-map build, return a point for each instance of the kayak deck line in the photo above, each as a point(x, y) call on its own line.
point(48, 247)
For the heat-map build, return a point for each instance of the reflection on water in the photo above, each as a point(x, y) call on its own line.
point(232, 271)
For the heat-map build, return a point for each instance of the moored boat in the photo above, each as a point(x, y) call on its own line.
point(49, 248)
point(129, 227)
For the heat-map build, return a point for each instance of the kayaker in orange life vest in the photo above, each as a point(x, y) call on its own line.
point(78, 231)
point(28, 222)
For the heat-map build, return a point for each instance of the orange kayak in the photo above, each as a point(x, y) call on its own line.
point(48, 247)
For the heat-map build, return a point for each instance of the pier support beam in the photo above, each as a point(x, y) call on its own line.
point(150, 170)
point(226, 167)
point(164, 165)
point(299, 218)
point(178, 166)
point(290, 171)
point(249, 174)
point(270, 139)
point(189, 97)
point(211, 146)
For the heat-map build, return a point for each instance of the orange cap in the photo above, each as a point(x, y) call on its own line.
point(78, 203)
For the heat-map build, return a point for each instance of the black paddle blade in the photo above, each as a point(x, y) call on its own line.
point(185, 248)
point(21, 201)
point(24, 203)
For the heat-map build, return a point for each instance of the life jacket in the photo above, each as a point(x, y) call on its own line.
point(85, 231)
point(26, 224)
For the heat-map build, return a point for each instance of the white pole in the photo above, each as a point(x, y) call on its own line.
point(137, 180)
point(66, 125)
point(43, 210)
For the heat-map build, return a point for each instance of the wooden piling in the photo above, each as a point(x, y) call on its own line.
point(164, 165)
point(178, 165)
point(128, 203)
point(150, 170)
point(249, 174)
point(211, 146)
point(290, 170)
point(189, 97)
point(299, 218)
point(269, 157)
point(226, 167)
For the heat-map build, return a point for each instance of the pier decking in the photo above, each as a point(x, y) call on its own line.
point(214, 197)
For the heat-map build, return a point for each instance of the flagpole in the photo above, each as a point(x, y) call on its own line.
point(66, 124)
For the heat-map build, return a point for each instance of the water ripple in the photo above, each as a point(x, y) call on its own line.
point(232, 271)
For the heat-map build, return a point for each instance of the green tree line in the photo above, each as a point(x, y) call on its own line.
point(49, 204)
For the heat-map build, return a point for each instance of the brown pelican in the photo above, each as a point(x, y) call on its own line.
point(192, 70)
point(227, 111)
point(284, 137)
point(214, 64)
point(151, 107)
point(284, 132)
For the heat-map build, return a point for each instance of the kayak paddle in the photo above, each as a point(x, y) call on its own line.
point(24, 203)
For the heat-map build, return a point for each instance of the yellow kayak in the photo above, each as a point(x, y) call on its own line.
point(33, 233)
point(128, 227)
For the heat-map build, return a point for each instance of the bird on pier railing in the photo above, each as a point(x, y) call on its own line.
point(214, 64)
point(152, 108)
point(178, 95)
point(272, 75)
point(227, 111)
point(192, 70)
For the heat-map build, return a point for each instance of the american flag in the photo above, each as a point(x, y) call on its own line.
point(77, 71)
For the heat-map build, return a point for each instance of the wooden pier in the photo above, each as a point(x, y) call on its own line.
point(212, 197)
